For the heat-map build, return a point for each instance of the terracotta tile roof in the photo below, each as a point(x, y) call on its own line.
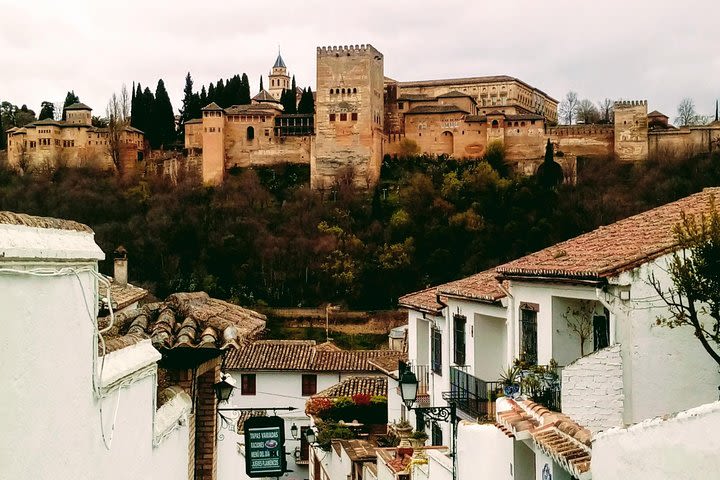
point(420, 109)
point(482, 286)
point(264, 96)
point(415, 97)
point(187, 320)
point(356, 385)
point(212, 107)
point(614, 248)
point(423, 300)
point(524, 116)
point(455, 94)
point(244, 415)
point(359, 450)
point(10, 218)
point(555, 434)
point(78, 106)
point(303, 355)
point(472, 81)
point(327, 347)
point(655, 113)
point(194, 120)
point(388, 365)
point(264, 108)
point(124, 295)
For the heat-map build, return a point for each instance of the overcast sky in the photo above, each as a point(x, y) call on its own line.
point(657, 50)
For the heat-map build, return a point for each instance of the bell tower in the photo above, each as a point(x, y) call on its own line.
point(278, 78)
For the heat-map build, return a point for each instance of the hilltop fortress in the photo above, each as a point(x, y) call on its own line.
point(361, 115)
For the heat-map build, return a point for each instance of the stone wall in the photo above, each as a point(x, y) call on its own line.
point(685, 141)
point(631, 130)
point(583, 140)
point(592, 389)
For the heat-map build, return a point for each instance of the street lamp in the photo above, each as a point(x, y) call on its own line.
point(408, 391)
point(224, 388)
point(310, 436)
point(294, 431)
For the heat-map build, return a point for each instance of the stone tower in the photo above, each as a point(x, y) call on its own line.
point(278, 78)
point(213, 144)
point(631, 130)
point(349, 116)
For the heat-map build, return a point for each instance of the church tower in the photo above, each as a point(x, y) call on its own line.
point(278, 78)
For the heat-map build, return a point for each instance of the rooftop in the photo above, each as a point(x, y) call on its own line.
point(303, 355)
point(615, 248)
point(435, 109)
point(358, 450)
point(264, 96)
point(78, 106)
point(471, 81)
point(279, 63)
point(124, 295)
point(373, 386)
point(10, 218)
point(187, 321)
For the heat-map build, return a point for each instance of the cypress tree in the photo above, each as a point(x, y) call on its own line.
point(190, 106)
point(287, 99)
point(136, 107)
point(211, 94)
point(163, 118)
point(220, 93)
point(307, 103)
point(245, 90)
point(47, 110)
point(3, 137)
point(261, 83)
point(232, 91)
point(70, 98)
point(203, 97)
point(146, 107)
point(550, 173)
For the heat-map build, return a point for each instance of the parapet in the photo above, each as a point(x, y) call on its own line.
point(337, 50)
point(630, 103)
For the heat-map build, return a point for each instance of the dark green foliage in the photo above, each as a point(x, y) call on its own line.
point(261, 84)
point(287, 100)
point(203, 98)
point(3, 136)
point(24, 116)
point(307, 104)
point(47, 110)
point(265, 236)
point(162, 127)
point(70, 98)
point(495, 156)
point(190, 106)
point(244, 90)
point(550, 173)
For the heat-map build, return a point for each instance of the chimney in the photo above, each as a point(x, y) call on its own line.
point(120, 269)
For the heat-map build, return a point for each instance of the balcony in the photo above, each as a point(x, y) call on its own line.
point(422, 372)
point(472, 395)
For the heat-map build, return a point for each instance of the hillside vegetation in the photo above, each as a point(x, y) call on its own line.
point(265, 237)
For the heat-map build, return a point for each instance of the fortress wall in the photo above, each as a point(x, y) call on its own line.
point(688, 141)
point(583, 140)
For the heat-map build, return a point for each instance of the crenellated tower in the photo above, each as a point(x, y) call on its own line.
point(278, 78)
point(349, 116)
point(631, 130)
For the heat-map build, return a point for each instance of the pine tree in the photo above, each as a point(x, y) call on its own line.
point(47, 110)
point(162, 118)
point(261, 83)
point(245, 90)
point(307, 103)
point(70, 98)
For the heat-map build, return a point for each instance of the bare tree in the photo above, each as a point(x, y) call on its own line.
point(605, 108)
point(568, 108)
point(687, 116)
point(586, 112)
point(580, 321)
point(118, 116)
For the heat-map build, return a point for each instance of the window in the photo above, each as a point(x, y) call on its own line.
point(247, 384)
point(401, 105)
point(436, 347)
point(601, 331)
point(528, 332)
point(304, 445)
point(250, 134)
point(354, 90)
point(331, 91)
point(437, 436)
point(332, 117)
point(353, 116)
point(495, 124)
point(459, 322)
point(343, 117)
point(309, 384)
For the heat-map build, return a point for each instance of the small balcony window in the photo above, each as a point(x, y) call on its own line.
point(436, 347)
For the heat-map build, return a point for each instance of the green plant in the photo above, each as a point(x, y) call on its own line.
point(328, 431)
point(403, 424)
point(509, 375)
point(419, 435)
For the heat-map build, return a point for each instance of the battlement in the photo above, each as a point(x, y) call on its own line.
point(630, 103)
point(337, 50)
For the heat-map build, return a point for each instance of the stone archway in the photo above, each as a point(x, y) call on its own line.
point(446, 143)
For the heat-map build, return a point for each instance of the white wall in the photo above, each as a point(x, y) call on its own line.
point(565, 342)
point(50, 418)
point(484, 452)
point(592, 390)
point(665, 370)
point(545, 465)
point(683, 447)
point(439, 465)
point(488, 347)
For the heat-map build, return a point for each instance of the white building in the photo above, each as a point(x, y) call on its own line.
point(80, 395)
point(287, 373)
point(632, 369)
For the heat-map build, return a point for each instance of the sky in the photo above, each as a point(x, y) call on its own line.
point(660, 51)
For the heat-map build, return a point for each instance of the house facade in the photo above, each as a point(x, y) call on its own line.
point(624, 369)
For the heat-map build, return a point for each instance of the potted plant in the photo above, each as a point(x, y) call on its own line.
point(509, 380)
point(403, 429)
point(418, 438)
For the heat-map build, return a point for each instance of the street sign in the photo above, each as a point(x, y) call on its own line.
point(265, 447)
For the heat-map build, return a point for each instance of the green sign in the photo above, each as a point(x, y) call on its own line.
point(265, 447)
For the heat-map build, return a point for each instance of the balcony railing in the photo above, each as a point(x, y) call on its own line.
point(472, 395)
point(542, 386)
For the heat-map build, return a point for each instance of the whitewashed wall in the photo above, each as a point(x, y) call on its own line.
point(484, 452)
point(685, 446)
point(592, 389)
point(49, 418)
point(665, 370)
point(545, 465)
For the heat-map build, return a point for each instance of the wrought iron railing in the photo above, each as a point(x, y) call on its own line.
point(474, 396)
point(542, 384)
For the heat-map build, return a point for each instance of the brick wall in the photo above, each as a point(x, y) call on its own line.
point(206, 425)
point(592, 389)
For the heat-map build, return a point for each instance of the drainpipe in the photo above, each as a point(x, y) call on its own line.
point(509, 325)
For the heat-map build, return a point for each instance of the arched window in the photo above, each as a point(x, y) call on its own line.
point(250, 134)
point(354, 90)
point(495, 124)
point(272, 82)
point(343, 91)
point(331, 91)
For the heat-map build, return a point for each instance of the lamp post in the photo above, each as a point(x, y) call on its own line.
point(408, 392)
point(224, 388)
